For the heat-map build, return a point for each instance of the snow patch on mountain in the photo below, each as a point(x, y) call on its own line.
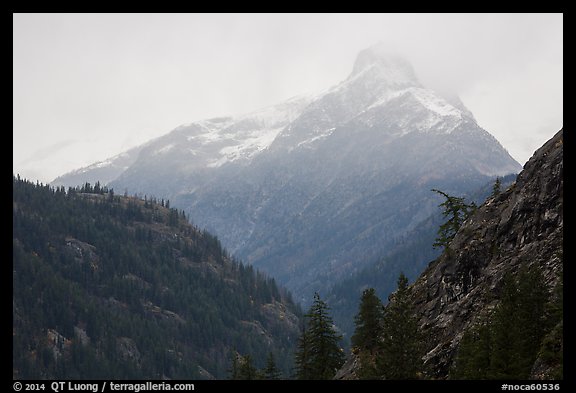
point(279, 115)
point(100, 164)
point(320, 135)
point(164, 149)
point(435, 104)
point(247, 148)
point(422, 110)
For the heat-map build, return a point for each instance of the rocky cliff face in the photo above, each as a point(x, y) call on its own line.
point(524, 224)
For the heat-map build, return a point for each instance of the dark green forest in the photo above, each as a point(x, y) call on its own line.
point(118, 287)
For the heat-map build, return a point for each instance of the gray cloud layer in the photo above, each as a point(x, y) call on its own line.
point(110, 81)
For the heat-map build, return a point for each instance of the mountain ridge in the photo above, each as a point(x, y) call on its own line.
point(390, 77)
point(331, 178)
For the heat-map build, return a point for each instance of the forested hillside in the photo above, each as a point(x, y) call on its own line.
point(117, 287)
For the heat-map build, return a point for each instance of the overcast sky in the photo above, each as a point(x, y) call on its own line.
point(89, 86)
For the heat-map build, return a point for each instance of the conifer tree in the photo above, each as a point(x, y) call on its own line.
point(271, 371)
point(496, 188)
point(555, 308)
point(319, 356)
point(368, 321)
point(401, 350)
point(366, 341)
point(519, 325)
point(303, 356)
point(457, 212)
point(234, 369)
point(473, 358)
point(551, 350)
point(532, 299)
point(245, 369)
point(503, 364)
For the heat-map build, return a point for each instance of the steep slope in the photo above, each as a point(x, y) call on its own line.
point(316, 187)
point(115, 287)
point(522, 226)
point(410, 254)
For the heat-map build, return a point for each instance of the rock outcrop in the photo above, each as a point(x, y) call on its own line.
point(520, 226)
point(523, 225)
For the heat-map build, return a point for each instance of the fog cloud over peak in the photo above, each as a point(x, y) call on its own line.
point(120, 79)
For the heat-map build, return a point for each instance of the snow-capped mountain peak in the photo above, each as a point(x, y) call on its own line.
point(381, 94)
point(303, 188)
